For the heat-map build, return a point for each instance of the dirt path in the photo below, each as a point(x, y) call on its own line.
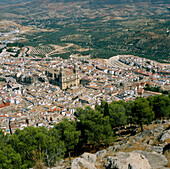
point(58, 49)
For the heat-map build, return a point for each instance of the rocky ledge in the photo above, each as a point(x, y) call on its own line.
point(149, 149)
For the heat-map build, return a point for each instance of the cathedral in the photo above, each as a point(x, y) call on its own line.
point(68, 79)
point(64, 78)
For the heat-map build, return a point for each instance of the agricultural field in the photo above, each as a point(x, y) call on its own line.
point(41, 51)
point(101, 30)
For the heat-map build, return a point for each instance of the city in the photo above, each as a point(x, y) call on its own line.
point(84, 84)
point(39, 91)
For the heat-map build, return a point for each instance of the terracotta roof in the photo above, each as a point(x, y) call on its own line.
point(140, 91)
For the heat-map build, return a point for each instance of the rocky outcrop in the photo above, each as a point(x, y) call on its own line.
point(156, 160)
point(86, 160)
point(149, 149)
point(120, 160)
point(100, 154)
point(165, 136)
point(123, 160)
point(89, 157)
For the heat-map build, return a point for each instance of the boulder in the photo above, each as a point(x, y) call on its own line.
point(86, 160)
point(89, 157)
point(143, 135)
point(156, 160)
point(100, 154)
point(157, 122)
point(157, 149)
point(165, 136)
point(146, 133)
point(158, 129)
point(80, 163)
point(123, 160)
point(150, 142)
point(116, 148)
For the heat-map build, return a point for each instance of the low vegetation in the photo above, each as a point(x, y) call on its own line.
point(41, 51)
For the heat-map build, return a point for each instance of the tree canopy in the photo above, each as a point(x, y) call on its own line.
point(160, 105)
point(94, 127)
point(67, 132)
point(32, 140)
point(142, 112)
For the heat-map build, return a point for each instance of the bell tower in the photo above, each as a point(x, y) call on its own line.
point(75, 70)
point(61, 71)
point(61, 77)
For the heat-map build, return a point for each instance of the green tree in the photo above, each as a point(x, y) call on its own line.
point(161, 105)
point(94, 127)
point(103, 108)
point(129, 106)
point(66, 131)
point(106, 109)
point(9, 159)
point(142, 112)
point(3, 138)
point(117, 115)
point(31, 140)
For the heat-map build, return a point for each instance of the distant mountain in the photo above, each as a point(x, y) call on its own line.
point(101, 1)
point(97, 2)
point(111, 1)
point(106, 27)
point(9, 2)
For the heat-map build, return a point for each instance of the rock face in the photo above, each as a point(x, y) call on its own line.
point(89, 157)
point(120, 160)
point(156, 160)
point(152, 149)
point(165, 136)
point(100, 154)
point(86, 160)
point(123, 160)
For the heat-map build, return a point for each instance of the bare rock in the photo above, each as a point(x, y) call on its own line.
point(156, 160)
point(86, 160)
point(100, 154)
point(143, 135)
point(150, 142)
point(79, 163)
point(165, 136)
point(158, 129)
point(157, 149)
point(123, 160)
point(89, 157)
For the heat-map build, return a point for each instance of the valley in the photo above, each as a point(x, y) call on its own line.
point(103, 29)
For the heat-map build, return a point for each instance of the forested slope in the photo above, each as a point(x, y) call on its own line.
point(90, 130)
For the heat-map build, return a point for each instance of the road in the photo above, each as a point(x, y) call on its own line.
point(26, 53)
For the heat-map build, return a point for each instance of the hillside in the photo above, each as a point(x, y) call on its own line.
point(116, 127)
point(7, 2)
point(10, 2)
point(105, 28)
point(145, 150)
